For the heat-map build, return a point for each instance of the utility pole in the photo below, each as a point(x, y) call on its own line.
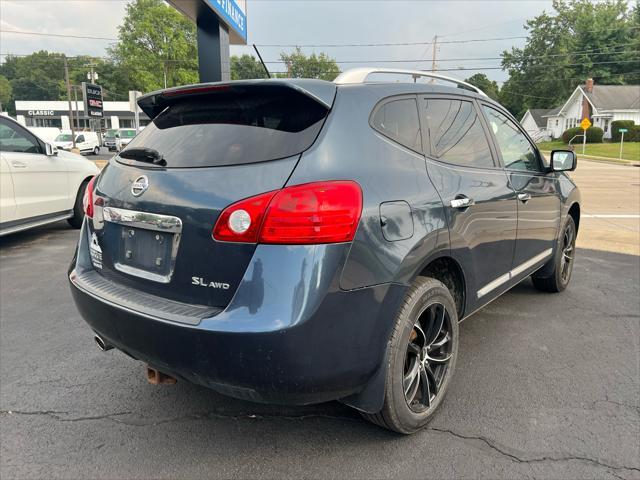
point(75, 96)
point(433, 57)
point(66, 76)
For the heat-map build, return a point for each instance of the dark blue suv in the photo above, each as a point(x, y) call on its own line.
point(299, 241)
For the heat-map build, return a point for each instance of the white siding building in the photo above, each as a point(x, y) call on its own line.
point(602, 104)
point(45, 113)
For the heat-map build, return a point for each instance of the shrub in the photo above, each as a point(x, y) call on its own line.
point(594, 135)
point(629, 125)
point(635, 134)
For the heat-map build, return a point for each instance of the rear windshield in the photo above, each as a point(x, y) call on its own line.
point(233, 129)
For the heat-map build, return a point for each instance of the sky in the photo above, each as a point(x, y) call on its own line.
point(305, 22)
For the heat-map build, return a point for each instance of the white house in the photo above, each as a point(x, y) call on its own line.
point(535, 123)
point(602, 104)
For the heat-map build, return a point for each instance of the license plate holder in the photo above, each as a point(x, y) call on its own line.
point(147, 245)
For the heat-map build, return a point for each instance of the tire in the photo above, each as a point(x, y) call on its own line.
point(562, 261)
point(96, 151)
point(78, 210)
point(425, 303)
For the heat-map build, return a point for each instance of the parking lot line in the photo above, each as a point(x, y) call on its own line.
point(606, 215)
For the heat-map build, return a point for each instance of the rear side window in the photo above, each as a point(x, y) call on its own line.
point(232, 128)
point(456, 133)
point(398, 120)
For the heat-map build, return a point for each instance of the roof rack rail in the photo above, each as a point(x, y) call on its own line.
point(359, 75)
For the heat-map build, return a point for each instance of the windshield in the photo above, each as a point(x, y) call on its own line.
point(110, 133)
point(231, 129)
point(64, 137)
point(127, 133)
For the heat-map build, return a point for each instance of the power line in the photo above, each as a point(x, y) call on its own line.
point(86, 37)
point(336, 45)
point(594, 51)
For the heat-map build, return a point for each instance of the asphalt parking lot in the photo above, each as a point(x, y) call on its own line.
point(547, 386)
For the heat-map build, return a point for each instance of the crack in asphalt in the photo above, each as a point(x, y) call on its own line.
point(58, 415)
point(515, 456)
point(502, 450)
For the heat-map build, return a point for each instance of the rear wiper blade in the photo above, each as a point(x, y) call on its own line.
point(143, 154)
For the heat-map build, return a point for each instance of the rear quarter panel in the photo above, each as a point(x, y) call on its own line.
point(349, 148)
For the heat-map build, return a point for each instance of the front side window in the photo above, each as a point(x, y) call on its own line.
point(80, 138)
point(456, 133)
point(13, 139)
point(398, 120)
point(517, 152)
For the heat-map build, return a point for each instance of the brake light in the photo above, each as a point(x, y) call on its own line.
point(320, 212)
point(87, 199)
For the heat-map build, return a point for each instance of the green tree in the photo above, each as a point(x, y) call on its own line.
point(299, 65)
point(156, 47)
point(38, 76)
point(565, 48)
point(246, 67)
point(490, 87)
point(5, 93)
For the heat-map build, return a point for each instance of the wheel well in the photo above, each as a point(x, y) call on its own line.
point(574, 211)
point(447, 270)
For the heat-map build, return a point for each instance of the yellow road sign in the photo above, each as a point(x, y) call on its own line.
point(585, 123)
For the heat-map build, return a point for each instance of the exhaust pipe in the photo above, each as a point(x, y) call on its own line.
point(102, 345)
point(156, 377)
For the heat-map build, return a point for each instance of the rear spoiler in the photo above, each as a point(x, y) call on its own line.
point(319, 90)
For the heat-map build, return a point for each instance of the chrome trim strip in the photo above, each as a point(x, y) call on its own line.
point(531, 262)
point(494, 284)
point(502, 279)
point(146, 220)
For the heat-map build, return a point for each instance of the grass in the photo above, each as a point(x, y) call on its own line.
point(630, 151)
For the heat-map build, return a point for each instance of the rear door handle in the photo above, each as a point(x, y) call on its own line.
point(524, 197)
point(461, 202)
point(18, 164)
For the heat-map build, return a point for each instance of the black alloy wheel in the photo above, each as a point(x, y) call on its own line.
point(428, 354)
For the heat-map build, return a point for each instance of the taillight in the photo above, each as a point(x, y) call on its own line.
point(321, 212)
point(241, 221)
point(87, 200)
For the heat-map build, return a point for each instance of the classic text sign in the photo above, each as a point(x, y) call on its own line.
point(92, 96)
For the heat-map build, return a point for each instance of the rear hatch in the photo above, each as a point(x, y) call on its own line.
point(207, 147)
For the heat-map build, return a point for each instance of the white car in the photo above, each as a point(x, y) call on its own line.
point(86, 142)
point(38, 183)
point(124, 136)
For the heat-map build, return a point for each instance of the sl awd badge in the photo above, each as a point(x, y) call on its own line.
point(139, 185)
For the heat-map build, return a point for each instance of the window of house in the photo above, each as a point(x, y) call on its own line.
point(456, 133)
point(398, 120)
point(517, 152)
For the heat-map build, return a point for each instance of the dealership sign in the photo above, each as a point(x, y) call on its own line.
point(231, 13)
point(92, 96)
point(40, 113)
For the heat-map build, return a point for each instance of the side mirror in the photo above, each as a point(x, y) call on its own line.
point(563, 160)
point(50, 150)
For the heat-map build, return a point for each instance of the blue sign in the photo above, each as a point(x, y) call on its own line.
point(233, 16)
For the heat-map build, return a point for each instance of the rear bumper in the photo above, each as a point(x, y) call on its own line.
point(289, 336)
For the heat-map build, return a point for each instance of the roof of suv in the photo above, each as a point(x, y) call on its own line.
point(321, 90)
